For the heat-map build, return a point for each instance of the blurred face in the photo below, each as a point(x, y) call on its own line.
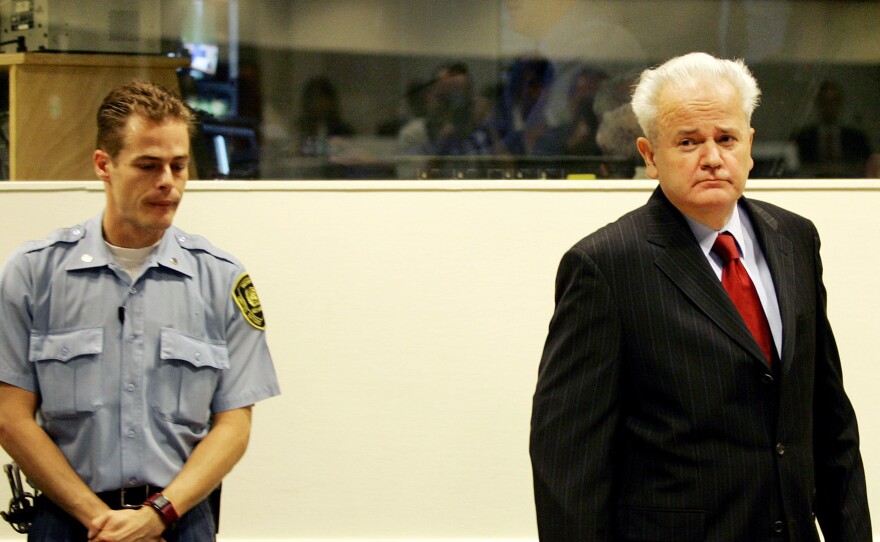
point(583, 94)
point(322, 106)
point(448, 88)
point(701, 152)
point(828, 103)
point(144, 183)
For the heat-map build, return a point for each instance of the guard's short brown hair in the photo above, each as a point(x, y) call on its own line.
point(149, 100)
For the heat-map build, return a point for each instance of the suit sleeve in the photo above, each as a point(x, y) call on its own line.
point(841, 504)
point(575, 407)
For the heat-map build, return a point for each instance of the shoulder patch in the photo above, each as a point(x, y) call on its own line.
point(245, 295)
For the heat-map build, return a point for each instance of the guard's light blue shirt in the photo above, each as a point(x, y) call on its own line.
point(752, 259)
point(129, 371)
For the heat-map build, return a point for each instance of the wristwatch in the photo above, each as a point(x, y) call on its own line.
point(164, 508)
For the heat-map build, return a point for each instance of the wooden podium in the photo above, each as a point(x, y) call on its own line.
point(53, 102)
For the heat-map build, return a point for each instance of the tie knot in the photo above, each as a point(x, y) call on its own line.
point(725, 247)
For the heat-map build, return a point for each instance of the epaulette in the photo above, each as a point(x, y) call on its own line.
point(62, 235)
point(197, 243)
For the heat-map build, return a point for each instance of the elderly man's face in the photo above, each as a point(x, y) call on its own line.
point(701, 151)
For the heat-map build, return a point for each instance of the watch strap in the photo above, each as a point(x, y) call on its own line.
point(164, 508)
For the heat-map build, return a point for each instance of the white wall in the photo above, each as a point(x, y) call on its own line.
point(407, 321)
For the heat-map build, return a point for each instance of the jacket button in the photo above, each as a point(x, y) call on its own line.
point(780, 449)
point(766, 378)
point(778, 526)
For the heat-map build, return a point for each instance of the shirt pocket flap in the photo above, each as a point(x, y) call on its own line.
point(197, 352)
point(67, 345)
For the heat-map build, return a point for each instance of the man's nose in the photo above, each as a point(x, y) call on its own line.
point(711, 156)
point(166, 176)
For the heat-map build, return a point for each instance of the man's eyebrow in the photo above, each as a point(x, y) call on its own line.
point(692, 131)
point(151, 158)
point(687, 132)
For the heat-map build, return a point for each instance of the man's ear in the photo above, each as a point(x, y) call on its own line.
point(647, 152)
point(751, 141)
point(102, 162)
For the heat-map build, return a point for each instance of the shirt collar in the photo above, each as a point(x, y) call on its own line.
point(171, 254)
point(706, 236)
point(91, 251)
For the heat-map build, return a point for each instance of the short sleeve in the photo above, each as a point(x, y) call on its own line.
point(251, 374)
point(15, 324)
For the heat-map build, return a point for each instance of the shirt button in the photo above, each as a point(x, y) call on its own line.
point(198, 355)
point(182, 239)
point(778, 526)
point(131, 434)
point(131, 338)
point(132, 290)
point(780, 449)
point(65, 350)
point(130, 387)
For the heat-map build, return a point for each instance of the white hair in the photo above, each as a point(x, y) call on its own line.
point(684, 72)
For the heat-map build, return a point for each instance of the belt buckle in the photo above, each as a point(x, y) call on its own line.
point(125, 505)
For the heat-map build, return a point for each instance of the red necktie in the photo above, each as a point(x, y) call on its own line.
point(742, 292)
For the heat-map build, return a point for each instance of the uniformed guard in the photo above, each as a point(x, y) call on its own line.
point(131, 341)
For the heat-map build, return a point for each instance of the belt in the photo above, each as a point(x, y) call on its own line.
point(128, 497)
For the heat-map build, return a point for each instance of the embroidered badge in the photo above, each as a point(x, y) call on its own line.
point(245, 295)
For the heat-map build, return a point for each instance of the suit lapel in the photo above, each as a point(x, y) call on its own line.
point(778, 252)
point(683, 262)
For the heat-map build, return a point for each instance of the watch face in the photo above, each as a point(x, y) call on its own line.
point(164, 508)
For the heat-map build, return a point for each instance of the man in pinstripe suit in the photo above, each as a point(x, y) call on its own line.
point(657, 417)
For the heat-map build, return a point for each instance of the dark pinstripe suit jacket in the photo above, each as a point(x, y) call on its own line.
point(656, 417)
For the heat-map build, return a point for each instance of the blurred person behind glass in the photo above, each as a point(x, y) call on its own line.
point(320, 119)
point(577, 135)
point(571, 34)
point(450, 126)
point(616, 135)
point(519, 117)
point(829, 148)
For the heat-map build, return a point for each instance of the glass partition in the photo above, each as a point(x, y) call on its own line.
point(506, 89)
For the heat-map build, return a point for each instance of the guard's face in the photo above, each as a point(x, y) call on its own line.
point(145, 183)
point(702, 151)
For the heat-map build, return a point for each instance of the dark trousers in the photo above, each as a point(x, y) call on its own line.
point(52, 524)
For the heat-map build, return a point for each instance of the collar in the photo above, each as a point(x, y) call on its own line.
point(739, 226)
point(91, 251)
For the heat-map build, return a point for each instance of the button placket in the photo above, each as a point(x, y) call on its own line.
point(132, 381)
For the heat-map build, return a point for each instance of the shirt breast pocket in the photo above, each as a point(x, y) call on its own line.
point(187, 374)
point(68, 370)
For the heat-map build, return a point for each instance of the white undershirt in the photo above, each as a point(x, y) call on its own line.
point(132, 259)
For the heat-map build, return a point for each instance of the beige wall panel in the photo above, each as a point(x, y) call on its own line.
point(407, 321)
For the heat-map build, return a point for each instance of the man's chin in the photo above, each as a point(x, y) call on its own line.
point(164, 215)
point(159, 224)
point(717, 192)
